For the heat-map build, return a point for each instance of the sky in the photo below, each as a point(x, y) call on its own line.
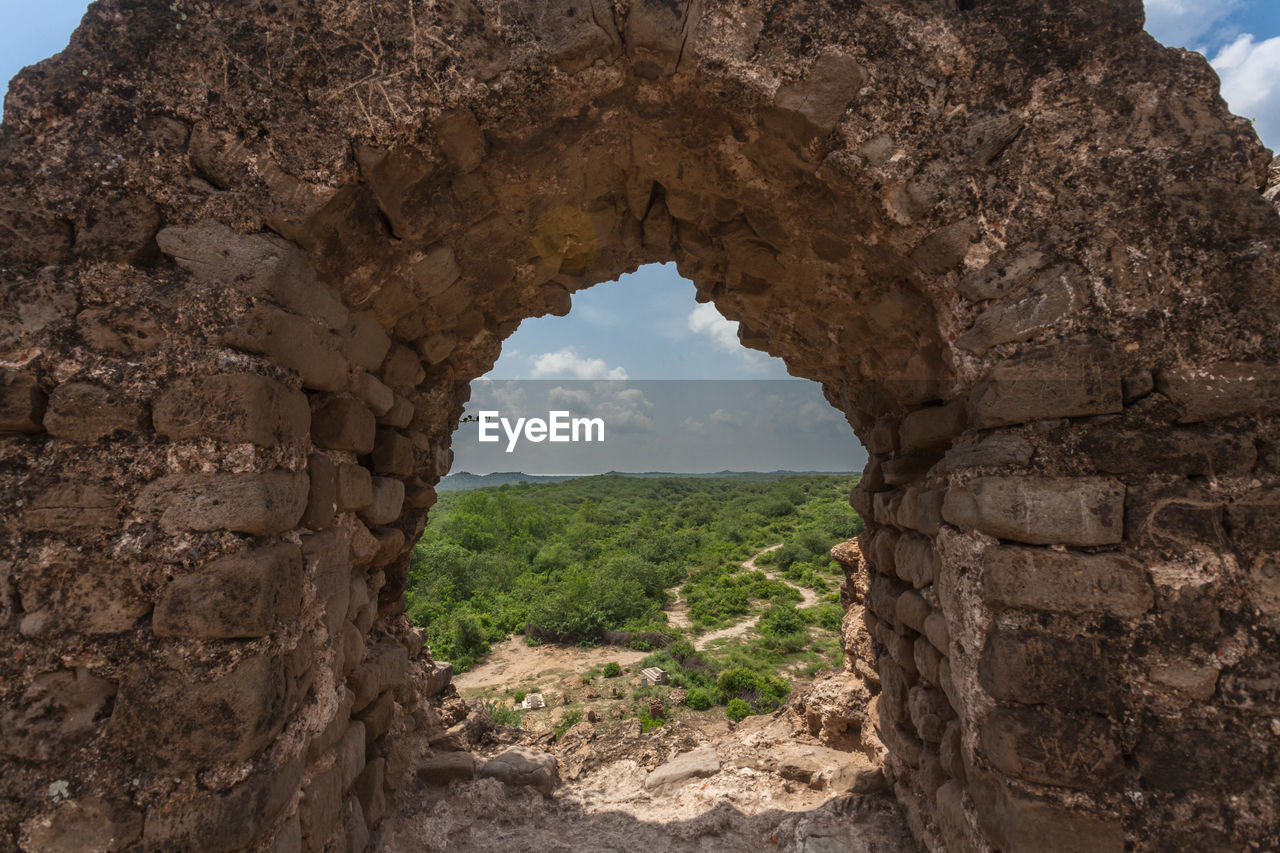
point(647, 326)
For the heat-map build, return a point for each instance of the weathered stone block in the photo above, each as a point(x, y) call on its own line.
point(1076, 673)
point(71, 507)
point(22, 403)
point(520, 765)
point(906, 469)
point(364, 545)
point(370, 790)
point(1221, 391)
point(402, 368)
point(224, 821)
point(935, 628)
point(993, 451)
point(928, 661)
point(438, 678)
point(929, 511)
point(236, 407)
point(445, 767)
point(945, 248)
point(385, 667)
point(916, 561)
point(390, 544)
point(262, 265)
point(332, 733)
point(824, 93)
point(1254, 520)
point(883, 597)
point(352, 649)
point(1185, 452)
point(63, 593)
point(238, 596)
point(1066, 381)
point(355, 488)
point(399, 415)
point(392, 454)
point(934, 426)
point(912, 610)
point(1016, 823)
point(1053, 296)
point(355, 833)
point(1082, 511)
point(320, 809)
point(930, 712)
point(365, 342)
point(1196, 759)
point(1049, 747)
point(418, 495)
point(57, 712)
point(327, 556)
point(655, 36)
point(1198, 682)
point(322, 497)
point(344, 423)
point(174, 723)
point(378, 397)
point(1003, 275)
point(388, 500)
point(79, 411)
point(295, 343)
point(262, 504)
point(80, 826)
point(461, 139)
point(953, 825)
point(951, 751)
point(1064, 582)
point(351, 753)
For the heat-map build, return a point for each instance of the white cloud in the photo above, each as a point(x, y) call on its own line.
point(1250, 72)
point(624, 410)
point(720, 416)
point(567, 364)
point(1181, 23)
point(706, 320)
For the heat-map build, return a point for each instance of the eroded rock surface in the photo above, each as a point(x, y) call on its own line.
point(253, 256)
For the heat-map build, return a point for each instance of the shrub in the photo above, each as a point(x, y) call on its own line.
point(640, 644)
point(612, 670)
point(737, 710)
point(647, 722)
point(502, 714)
point(781, 621)
point(570, 719)
point(519, 696)
point(699, 699)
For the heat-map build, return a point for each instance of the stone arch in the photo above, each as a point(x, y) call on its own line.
point(254, 255)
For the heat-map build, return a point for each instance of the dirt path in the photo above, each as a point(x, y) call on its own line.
point(514, 663)
point(808, 598)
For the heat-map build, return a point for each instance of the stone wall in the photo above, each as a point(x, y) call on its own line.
point(254, 255)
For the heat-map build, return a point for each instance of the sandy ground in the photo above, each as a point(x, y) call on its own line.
point(515, 664)
point(747, 806)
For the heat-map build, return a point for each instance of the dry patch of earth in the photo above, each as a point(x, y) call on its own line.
point(758, 786)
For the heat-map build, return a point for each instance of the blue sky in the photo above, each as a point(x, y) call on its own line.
point(647, 325)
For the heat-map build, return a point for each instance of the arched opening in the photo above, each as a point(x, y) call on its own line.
point(553, 594)
point(247, 310)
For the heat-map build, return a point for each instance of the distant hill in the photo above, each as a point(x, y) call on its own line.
point(465, 480)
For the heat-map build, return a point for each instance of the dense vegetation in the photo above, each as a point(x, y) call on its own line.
point(570, 561)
